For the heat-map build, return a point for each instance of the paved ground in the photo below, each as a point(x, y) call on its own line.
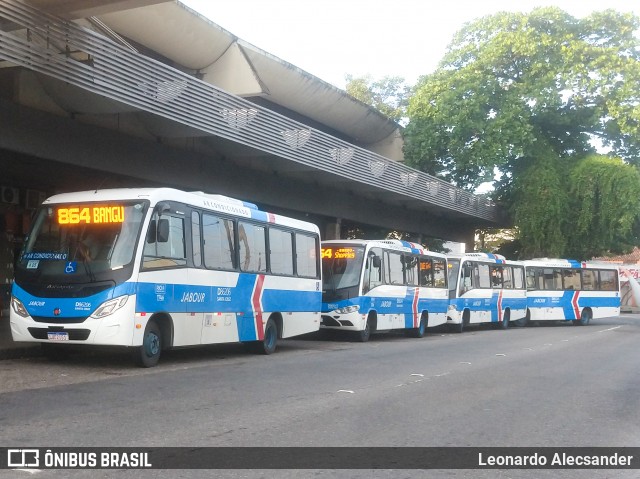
point(8, 348)
point(12, 350)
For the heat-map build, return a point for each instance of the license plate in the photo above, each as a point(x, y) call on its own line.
point(58, 336)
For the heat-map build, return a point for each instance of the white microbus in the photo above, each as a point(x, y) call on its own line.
point(567, 290)
point(485, 288)
point(157, 268)
point(373, 286)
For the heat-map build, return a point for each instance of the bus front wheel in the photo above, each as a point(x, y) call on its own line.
point(365, 334)
point(148, 354)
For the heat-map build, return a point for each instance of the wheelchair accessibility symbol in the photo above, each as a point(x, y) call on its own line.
point(71, 267)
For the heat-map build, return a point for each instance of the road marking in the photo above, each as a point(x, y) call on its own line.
point(465, 362)
point(345, 391)
point(500, 354)
point(416, 374)
point(610, 329)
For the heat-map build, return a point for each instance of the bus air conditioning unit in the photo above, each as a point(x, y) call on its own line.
point(10, 195)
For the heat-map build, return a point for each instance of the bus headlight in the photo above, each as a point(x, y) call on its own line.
point(18, 307)
point(109, 307)
point(348, 309)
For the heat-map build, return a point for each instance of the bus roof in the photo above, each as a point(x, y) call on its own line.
point(398, 245)
point(567, 263)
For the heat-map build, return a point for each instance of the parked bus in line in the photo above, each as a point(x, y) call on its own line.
point(158, 268)
point(374, 286)
point(485, 288)
point(567, 290)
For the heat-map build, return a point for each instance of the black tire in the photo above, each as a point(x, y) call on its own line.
point(420, 331)
point(364, 335)
point(270, 342)
point(148, 355)
point(585, 318)
point(54, 352)
point(505, 319)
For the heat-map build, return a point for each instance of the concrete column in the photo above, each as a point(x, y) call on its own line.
point(469, 241)
point(333, 230)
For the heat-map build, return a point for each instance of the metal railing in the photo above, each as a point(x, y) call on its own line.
point(83, 58)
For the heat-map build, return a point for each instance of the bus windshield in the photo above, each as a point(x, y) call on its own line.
point(81, 242)
point(341, 270)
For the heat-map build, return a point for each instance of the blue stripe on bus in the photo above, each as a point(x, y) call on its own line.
point(224, 299)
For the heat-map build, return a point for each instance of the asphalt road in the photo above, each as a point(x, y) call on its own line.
point(555, 386)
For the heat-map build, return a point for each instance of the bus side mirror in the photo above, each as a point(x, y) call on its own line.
point(375, 261)
point(163, 230)
point(158, 231)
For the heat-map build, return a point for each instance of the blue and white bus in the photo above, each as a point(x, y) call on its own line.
point(567, 290)
point(485, 288)
point(158, 268)
point(373, 286)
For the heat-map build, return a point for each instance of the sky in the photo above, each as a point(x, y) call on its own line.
point(333, 38)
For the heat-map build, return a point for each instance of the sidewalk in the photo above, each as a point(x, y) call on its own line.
point(10, 349)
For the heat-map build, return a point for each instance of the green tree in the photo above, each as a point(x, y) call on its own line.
point(388, 95)
point(524, 97)
point(605, 202)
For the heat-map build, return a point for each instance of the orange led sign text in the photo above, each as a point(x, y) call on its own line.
point(338, 253)
point(75, 215)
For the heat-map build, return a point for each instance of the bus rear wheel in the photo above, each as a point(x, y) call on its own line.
point(420, 331)
point(148, 355)
point(585, 318)
point(270, 342)
point(506, 317)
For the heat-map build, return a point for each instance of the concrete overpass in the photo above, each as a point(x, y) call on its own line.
point(100, 93)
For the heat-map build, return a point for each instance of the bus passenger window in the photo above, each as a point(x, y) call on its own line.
point(394, 268)
point(281, 251)
point(608, 280)
point(219, 242)
point(465, 278)
point(439, 273)
point(426, 272)
point(496, 276)
point(253, 247)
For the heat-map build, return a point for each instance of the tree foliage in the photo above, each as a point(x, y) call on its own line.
point(604, 207)
point(524, 98)
point(388, 95)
